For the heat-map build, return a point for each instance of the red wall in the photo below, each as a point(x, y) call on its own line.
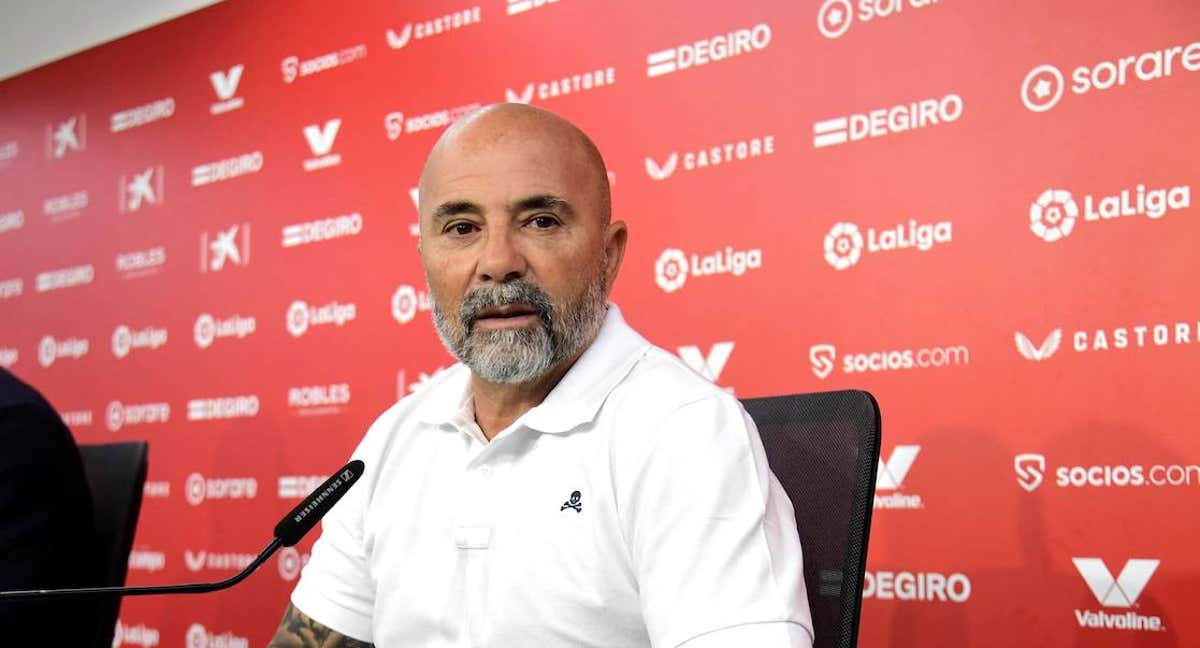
point(1037, 393)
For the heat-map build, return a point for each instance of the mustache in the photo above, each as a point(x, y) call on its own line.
point(513, 292)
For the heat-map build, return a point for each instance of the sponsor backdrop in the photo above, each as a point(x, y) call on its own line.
point(982, 212)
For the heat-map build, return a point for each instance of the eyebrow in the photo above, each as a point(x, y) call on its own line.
point(548, 202)
point(454, 208)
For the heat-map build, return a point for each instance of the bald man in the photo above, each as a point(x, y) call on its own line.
point(567, 483)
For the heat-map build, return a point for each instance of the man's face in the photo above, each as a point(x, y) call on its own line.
point(513, 245)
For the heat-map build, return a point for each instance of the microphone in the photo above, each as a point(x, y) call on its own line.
point(288, 532)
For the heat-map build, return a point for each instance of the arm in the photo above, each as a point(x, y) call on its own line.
point(298, 630)
point(714, 539)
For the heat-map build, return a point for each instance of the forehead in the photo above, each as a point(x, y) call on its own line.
point(501, 168)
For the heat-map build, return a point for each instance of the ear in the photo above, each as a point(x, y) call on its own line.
point(616, 234)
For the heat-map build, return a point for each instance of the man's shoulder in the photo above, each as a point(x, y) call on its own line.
point(661, 383)
point(432, 395)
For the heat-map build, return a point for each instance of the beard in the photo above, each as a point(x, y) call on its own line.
point(521, 355)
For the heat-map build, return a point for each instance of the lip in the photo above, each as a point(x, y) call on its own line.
point(515, 321)
point(507, 316)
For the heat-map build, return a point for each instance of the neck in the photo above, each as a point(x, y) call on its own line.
point(497, 405)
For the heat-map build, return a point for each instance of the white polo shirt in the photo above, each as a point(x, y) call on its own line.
point(632, 507)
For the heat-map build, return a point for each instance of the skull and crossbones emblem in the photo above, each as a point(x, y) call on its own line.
point(573, 503)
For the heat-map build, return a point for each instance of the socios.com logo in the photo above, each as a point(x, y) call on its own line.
point(671, 270)
point(843, 245)
point(822, 357)
point(1052, 215)
point(1031, 470)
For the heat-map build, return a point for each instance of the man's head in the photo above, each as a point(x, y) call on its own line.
point(517, 241)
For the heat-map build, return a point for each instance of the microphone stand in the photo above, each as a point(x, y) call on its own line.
point(190, 588)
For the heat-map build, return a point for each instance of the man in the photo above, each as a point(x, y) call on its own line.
point(47, 532)
point(567, 484)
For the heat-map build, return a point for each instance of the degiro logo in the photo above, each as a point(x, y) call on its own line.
point(917, 586)
point(1120, 592)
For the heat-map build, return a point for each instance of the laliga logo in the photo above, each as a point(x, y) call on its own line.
point(197, 636)
point(1052, 216)
point(1049, 346)
point(47, 351)
point(122, 341)
point(671, 269)
point(297, 318)
point(406, 302)
point(393, 123)
point(1030, 469)
point(205, 330)
point(290, 67)
point(1042, 88)
point(834, 18)
point(822, 357)
point(843, 246)
point(1122, 591)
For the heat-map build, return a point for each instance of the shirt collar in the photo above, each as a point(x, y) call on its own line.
point(576, 398)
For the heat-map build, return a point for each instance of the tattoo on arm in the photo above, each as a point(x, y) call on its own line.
point(298, 630)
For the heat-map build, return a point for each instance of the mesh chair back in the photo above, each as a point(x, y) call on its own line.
point(116, 473)
point(824, 449)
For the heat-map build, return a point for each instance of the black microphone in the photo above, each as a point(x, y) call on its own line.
point(288, 532)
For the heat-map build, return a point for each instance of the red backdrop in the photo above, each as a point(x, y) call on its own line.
point(979, 211)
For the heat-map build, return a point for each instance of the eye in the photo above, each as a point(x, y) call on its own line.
point(461, 228)
point(543, 221)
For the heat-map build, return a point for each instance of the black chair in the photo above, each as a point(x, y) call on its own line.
point(824, 449)
point(116, 473)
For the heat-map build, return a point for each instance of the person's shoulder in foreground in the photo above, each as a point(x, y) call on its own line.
point(47, 533)
point(567, 483)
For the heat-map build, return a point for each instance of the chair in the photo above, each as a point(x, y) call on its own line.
point(116, 473)
point(824, 449)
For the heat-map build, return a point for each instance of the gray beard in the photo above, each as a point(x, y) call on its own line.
point(522, 355)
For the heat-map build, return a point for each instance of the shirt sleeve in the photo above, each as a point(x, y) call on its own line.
point(335, 587)
point(713, 536)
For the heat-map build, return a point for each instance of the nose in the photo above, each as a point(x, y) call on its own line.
point(500, 260)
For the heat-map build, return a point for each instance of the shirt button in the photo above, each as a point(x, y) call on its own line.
point(485, 472)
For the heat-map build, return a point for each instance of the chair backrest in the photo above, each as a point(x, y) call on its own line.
point(116, 473)
point(824, 449)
